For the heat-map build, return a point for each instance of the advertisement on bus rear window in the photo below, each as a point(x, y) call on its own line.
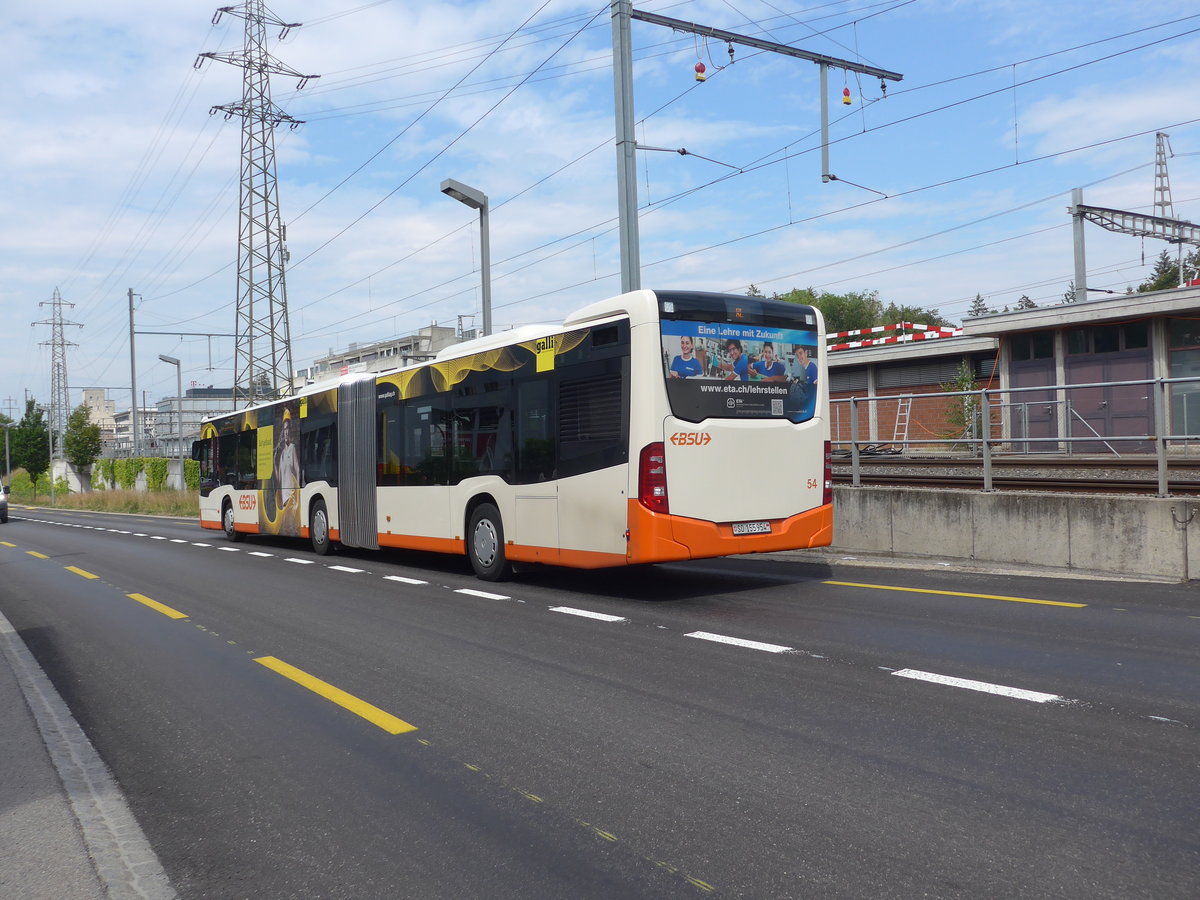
point(719, 370)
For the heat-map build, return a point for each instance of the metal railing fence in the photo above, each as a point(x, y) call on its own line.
point(1140, 417)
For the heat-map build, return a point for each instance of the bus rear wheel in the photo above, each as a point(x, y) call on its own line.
point(227, 522)
point(485, 544)
point(318, 529)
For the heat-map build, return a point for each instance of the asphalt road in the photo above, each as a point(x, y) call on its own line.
point(384, 725)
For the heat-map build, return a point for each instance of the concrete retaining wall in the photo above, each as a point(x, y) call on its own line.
point(1093, 533)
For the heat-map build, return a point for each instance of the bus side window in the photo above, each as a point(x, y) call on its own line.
point(247, 460)
point(389, 468)
point(482, 427)
point(318, 453)
point(536, 451)
point(591, 423)
point(203, 453)
point(226, 471)
point(426, 456)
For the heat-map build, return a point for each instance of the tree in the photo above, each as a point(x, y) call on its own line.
point(892, 313)
point(31, 442)
point(979, 308)
point(860, 309)
point(81, 443)
point(1026, 303)
point(963, 413)
point(1165, 274)
point(1069, 293)
point(753, 291)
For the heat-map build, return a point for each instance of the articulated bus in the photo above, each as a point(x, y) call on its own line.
point(651, 427)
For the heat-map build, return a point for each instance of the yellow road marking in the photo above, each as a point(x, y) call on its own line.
point(372, 714)
point(81, 572)
point(154, 604)
point(911, 590)
point(38, 555)
point(7, 544)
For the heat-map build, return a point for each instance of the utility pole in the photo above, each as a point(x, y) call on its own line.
point(60, 398)
point(133, 397)
point(627, 215)
point(263, 352)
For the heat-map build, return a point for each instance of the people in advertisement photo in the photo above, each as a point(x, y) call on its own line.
point(768, 367)
point(287, 474)
point(802, 372)
point(758, 370)
point(737, 366)
point(686, 364)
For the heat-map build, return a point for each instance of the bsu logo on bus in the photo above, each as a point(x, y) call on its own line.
point(691, 438)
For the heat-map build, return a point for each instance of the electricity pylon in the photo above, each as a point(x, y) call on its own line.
point(262, 366)
point(60, 397)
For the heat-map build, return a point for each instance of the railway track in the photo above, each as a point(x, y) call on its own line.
point(1006, 483)
point(1131, 475)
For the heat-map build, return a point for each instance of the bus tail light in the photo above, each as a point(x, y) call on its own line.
point(827, 497)
point(652, 478)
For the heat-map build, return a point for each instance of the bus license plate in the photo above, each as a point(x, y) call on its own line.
point(751, 527)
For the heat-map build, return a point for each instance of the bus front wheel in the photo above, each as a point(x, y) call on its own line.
point(318, 529)
point(485, 544)
point(227, 523)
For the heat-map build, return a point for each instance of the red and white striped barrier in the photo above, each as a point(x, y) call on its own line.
point(921, 333)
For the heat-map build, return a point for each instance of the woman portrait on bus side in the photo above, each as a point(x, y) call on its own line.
point(738, 368)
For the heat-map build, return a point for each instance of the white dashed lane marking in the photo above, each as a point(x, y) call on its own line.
point(587, 614)
point(912, 674)
point(739, 642)
point(982, 686)
point(484, 594)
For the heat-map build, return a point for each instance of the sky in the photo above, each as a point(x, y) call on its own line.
point(953, 183)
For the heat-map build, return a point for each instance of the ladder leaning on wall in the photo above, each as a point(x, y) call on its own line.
point(900, 433)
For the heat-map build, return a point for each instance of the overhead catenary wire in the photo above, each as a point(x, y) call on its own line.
point(592, 238)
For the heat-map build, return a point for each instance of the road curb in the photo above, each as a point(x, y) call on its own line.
point(124, 860)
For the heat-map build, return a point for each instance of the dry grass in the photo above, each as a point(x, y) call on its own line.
point(157, 503)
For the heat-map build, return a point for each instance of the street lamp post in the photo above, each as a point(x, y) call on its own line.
point(477, 199)
point(178, 410)
point(7, 457)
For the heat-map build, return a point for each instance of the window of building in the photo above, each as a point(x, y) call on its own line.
point(1108, 338)
point(1035, 345)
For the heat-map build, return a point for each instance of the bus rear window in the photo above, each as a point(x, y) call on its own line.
point(761, 365)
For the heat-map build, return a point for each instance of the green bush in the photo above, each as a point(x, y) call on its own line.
point(21, 485)
point(156, 473)
point(61, 486)
point(103, 473)
point(191, 474)
point(126, 471)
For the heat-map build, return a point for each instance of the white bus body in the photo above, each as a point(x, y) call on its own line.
point(598, 442)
